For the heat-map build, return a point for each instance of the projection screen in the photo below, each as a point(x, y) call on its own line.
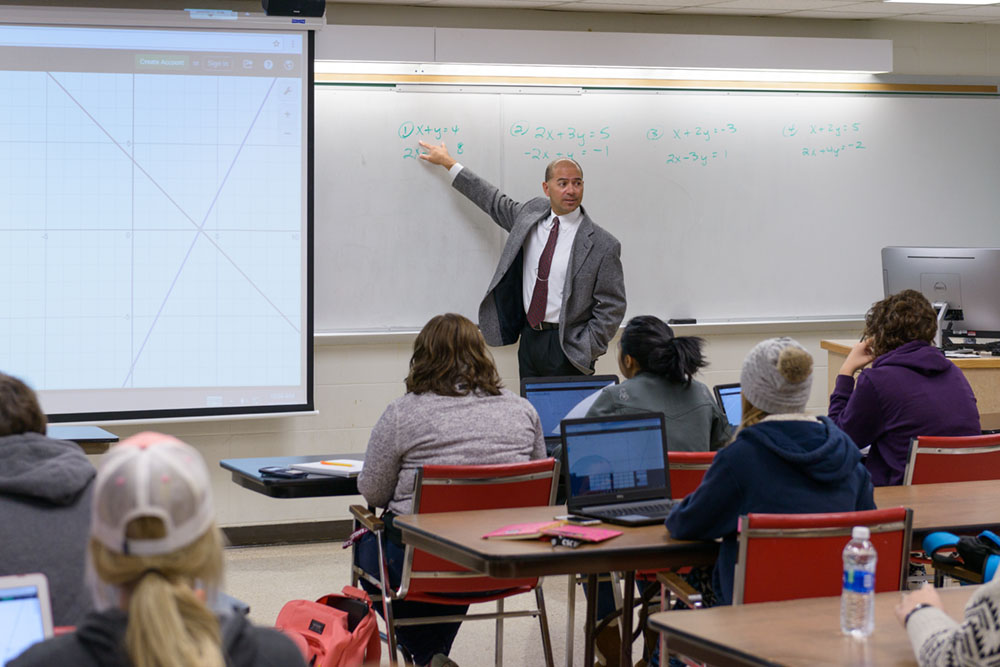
point(156, 218)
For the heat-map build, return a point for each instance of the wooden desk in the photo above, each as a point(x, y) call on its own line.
point(246, 473)
point(457, 536)
point(796, 633)
point(983, 375)
point(957, 506)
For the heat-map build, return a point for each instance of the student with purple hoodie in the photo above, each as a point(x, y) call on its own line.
point(910, 389)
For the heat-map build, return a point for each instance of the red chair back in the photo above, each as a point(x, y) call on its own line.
point(790, 556)
point(441, 488)
point(687, 470)
point(935, 459)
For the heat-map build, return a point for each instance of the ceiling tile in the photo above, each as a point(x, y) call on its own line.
point(783, 5)
point(982, 11)
point(618, 6)
point(938, 18)
point(722, 11)
point(655, 4)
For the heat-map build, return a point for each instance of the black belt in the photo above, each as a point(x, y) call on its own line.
point(545, 326)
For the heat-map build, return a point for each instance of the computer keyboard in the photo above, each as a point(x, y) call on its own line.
point(657, 508)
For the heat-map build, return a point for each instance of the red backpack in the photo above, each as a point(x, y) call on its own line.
point(338, 630)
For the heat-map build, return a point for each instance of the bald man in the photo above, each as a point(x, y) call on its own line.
point(558, 286)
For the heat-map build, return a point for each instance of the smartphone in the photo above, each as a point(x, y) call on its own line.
point(578, 520)
point(283, 472)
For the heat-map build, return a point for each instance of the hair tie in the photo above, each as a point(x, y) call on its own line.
point(155, 571)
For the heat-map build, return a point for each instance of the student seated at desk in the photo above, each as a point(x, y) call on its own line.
point(911, 388)
point(940, 641)
point(782, 460)
point(454, 412)
point(658, 368)
point(156, 554)
point(45, 489)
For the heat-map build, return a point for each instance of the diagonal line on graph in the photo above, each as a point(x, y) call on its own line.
point(199, 227)
point(159, 187)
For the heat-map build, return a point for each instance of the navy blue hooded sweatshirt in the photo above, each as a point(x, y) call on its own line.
point(783, 466)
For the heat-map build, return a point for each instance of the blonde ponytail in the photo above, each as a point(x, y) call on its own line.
point(168, 624)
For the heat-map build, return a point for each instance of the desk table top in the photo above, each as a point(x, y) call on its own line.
point(956, 506)
point(457, 536)
point(795, 633)
point(246, 473)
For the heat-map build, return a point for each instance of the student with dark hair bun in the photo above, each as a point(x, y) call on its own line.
point(659, 370)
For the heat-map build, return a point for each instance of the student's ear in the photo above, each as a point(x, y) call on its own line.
point(629, 365)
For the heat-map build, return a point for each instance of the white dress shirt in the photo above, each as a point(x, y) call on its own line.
point(533, 246)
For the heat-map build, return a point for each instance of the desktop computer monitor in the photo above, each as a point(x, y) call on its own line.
point(966, 279)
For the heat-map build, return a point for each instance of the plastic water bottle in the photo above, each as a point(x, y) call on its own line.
point(857, 601)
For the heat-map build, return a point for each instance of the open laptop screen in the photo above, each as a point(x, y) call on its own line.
point(25, 614)
point(611, 459)
point(728, 396)
point(554, 397)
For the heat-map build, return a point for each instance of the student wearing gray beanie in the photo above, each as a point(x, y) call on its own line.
point(782, 461)
point(776, 379)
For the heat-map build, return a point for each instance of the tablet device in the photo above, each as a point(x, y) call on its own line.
point(25, 613)
point(729, 398)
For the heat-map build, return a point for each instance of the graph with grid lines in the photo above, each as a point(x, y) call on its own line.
point(150, 230)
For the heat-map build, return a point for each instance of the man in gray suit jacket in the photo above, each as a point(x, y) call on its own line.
point(558, 285)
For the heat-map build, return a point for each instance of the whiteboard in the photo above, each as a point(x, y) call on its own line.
point(728, 205)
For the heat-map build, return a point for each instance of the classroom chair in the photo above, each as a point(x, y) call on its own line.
point(427, 578)
point(791, 556)
point(936, 459)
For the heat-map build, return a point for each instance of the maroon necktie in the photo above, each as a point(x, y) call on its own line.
point(540, 296)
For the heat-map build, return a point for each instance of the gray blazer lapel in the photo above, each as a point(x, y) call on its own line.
point(582, 244)
point(514, 242)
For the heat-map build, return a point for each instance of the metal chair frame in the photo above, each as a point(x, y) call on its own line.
point(365, 517)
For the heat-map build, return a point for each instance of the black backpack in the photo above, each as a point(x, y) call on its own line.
point(979, 553)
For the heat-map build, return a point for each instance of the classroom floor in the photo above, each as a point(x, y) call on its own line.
point(267, 577)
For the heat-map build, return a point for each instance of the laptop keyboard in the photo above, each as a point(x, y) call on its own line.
point(656, 508)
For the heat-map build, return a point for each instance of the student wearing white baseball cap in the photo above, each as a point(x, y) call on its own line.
point(157, 554)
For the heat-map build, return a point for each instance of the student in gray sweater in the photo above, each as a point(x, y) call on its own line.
point(454, 412)
point(45, 491)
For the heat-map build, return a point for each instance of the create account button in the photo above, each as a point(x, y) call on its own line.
point(160, 62)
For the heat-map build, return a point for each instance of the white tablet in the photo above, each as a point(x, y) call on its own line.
point(25, 613)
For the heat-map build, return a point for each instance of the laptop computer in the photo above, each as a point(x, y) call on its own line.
point(555, 397)
point(25, 613)
point(615, 468)
point(728, 396)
